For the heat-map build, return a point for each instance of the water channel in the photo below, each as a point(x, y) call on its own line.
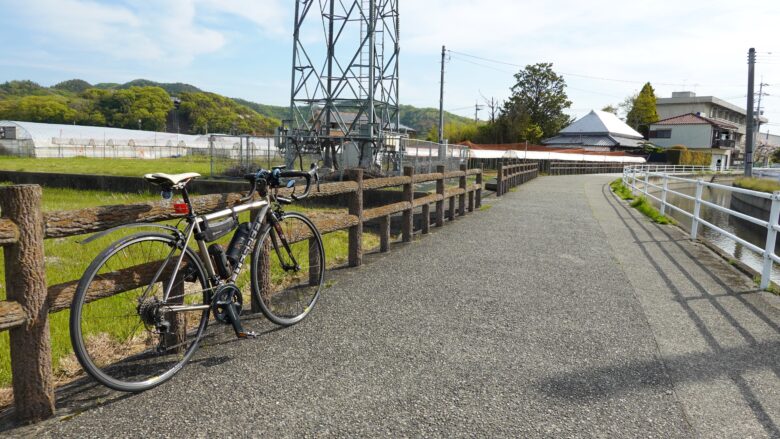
point(745, 230)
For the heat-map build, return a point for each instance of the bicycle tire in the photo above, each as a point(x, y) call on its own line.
point(112, 337)
point(291, 295)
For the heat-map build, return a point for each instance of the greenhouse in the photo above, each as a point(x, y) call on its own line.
point(31, 139)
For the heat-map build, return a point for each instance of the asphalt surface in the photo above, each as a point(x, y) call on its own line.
point(557, 312)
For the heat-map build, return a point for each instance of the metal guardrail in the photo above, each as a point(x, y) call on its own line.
point(668, 169)
point(770, 173)
point(635, 176)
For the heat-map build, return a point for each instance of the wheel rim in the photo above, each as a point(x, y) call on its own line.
point(121, 339)
point(295, 277)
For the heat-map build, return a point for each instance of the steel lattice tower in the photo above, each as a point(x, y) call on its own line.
point(344, 92)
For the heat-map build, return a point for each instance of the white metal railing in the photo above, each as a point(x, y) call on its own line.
point(643, 181)
point(669, 169)
point(773, 173)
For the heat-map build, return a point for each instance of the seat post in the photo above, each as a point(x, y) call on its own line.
point(186, 196)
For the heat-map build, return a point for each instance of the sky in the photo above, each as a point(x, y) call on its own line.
point(605, 49)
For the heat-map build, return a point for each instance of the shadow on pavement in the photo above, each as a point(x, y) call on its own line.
point(720, 362)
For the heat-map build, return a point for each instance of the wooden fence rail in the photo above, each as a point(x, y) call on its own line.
point(511, 173)
point(24, 228)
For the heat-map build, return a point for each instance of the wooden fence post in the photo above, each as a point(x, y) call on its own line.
point(25, 277)
point(356, 209)
point(499, 178)
point(478, 195)
point(408, 217)
point(462, 197)
point(440, 192)
point(426, 219)
point(384, 234)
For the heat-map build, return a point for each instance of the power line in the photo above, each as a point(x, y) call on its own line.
point(495, 61)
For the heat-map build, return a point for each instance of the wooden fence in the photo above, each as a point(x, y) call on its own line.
point(511, 173)
point(24, 228)
point(579, 168)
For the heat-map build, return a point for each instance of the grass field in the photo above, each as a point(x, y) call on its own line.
point(66, 260)
point(121, 167)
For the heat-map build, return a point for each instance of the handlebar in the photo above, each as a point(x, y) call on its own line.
point(308, 176)
point(271, 179)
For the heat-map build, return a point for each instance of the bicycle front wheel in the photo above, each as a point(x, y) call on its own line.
point(288, 269)
point(124, 333)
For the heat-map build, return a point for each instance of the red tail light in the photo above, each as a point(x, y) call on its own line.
point(181, 208)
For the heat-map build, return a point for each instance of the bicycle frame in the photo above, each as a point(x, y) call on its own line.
point(194, 226)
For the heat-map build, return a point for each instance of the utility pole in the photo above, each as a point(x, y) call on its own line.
point(758, 108)
point(749, 138)
point(477, 109)
point(441, 96)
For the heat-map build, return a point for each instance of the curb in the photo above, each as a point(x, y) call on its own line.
point(770, 299)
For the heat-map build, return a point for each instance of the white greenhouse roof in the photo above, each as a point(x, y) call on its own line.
point(550, 155)
point(46, 134)
point(601, 122)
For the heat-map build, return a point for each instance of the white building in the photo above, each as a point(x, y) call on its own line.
point(597, 131)
point(697, 132)
point(686, 102)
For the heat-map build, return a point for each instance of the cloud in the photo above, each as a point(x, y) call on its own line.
point(171, 32)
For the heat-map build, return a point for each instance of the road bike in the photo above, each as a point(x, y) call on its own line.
point(143, 304)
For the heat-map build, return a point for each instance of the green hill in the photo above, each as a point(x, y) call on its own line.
point(426, 119)
point(139, 103)
point(274, 111)
point(121, 105)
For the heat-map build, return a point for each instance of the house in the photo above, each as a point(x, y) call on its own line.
point(686, 102)
point(597, 131)
point(697, 132)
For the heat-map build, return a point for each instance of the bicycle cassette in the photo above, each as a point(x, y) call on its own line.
point(224, 296)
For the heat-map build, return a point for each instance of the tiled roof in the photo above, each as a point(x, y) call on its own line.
point(695, 119)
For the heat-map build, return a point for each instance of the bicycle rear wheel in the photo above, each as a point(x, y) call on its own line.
point(287, 284)
point(122, 333)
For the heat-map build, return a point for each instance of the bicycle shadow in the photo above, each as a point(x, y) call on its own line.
point(85, 394)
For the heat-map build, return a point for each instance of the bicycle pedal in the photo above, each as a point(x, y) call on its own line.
point(248, 334)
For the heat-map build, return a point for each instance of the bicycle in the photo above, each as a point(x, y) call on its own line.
point(156, 292)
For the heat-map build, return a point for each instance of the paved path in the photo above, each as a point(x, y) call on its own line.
point(557, 312)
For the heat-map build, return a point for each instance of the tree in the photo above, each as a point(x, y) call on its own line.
point(46, 109)
point(124, 108)
point(73, 85)
point(540, 93)
point(209, 112)
point(643, 112)
point(610, 109)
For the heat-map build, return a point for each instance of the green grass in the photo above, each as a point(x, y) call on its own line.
point(757, 184)
point(108, 166)
point(639, 203)
point(621, 190)
point(66, 259)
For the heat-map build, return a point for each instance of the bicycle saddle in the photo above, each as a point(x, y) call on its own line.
point(176, 181)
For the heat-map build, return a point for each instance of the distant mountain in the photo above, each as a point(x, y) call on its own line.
point(275, 111)
point(73, 85)
point(173, 89)
point(423, 120)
